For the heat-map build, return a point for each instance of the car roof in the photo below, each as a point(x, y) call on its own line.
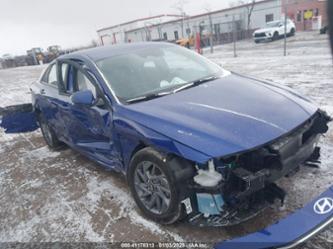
point(103, 52)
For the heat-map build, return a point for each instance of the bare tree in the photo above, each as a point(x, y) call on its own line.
point(179, 5)
point(249, 9)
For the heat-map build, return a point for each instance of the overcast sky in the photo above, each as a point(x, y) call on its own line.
point(39, 23)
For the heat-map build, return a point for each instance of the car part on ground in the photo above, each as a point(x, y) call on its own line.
point(291, 231)
point(18, 119)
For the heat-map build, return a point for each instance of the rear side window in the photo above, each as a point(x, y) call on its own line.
point(50, 76)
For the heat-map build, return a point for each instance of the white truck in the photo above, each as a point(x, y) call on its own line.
point(274, 30)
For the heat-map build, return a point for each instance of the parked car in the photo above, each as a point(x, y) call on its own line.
point(193, 140)
point(274, 30)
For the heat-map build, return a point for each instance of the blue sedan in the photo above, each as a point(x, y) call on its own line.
point(195, 141)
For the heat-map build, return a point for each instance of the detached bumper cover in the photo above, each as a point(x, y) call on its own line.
point(291, 231)
point(18, 119)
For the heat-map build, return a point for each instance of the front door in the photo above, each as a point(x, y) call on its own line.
point(88, 128)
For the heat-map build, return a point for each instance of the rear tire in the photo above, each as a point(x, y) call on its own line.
point(48, 133)
point(155, 185)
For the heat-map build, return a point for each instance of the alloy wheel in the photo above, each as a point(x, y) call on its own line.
point(152, 187)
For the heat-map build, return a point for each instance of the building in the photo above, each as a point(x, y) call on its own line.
point(118, 33)
point(173, 27)
point(222, 25)
point(307, 14)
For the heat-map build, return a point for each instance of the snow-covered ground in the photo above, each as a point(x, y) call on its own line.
point(62, 196)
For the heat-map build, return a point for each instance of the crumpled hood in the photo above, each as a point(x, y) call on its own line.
point(225, 116)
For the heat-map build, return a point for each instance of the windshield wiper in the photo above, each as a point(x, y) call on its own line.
point(183, 87)
point(195, 83)
point(148, 97)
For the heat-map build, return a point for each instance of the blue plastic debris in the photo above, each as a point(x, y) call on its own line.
point(291, 231)
point(209, 204)
point(18, 119)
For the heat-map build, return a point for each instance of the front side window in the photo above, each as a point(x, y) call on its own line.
point(67, 77)
point(64, 71)
point(155, 70)
point(83, 83)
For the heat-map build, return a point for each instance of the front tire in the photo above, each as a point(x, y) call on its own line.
point(155, 187)
point(292, 32)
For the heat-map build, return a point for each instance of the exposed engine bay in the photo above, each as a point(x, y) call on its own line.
point(233, 189)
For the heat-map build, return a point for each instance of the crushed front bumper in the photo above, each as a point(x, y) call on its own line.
point(291, 231)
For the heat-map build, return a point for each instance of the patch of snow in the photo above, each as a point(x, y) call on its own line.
point(40, 154)
point(127, 206)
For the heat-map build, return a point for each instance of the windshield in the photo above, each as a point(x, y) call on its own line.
point(273, 24)
point(155, 70)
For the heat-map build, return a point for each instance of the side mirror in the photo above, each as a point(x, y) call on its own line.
point(85, 97)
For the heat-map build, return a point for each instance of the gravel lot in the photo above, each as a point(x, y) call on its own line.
point(48, 196)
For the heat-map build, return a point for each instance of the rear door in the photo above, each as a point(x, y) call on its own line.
point(46, 94)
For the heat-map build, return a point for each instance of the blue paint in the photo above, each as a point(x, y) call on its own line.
point(210, 204)
point(285, 232)
point(83, 98)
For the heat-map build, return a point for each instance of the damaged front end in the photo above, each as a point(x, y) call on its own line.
point(233, 189)
point(18, 119)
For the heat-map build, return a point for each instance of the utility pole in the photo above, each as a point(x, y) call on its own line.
point(285, 27)
point(211, 40)
point(234, 34)
point(183, 20)
point(211, 34)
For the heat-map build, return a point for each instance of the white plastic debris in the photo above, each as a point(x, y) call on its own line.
point(208, 178)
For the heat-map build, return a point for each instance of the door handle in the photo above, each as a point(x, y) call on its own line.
point(42, 91)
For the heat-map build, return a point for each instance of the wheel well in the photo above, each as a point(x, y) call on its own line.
point(179, 166)
point(38, 112)
point(139, 147)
